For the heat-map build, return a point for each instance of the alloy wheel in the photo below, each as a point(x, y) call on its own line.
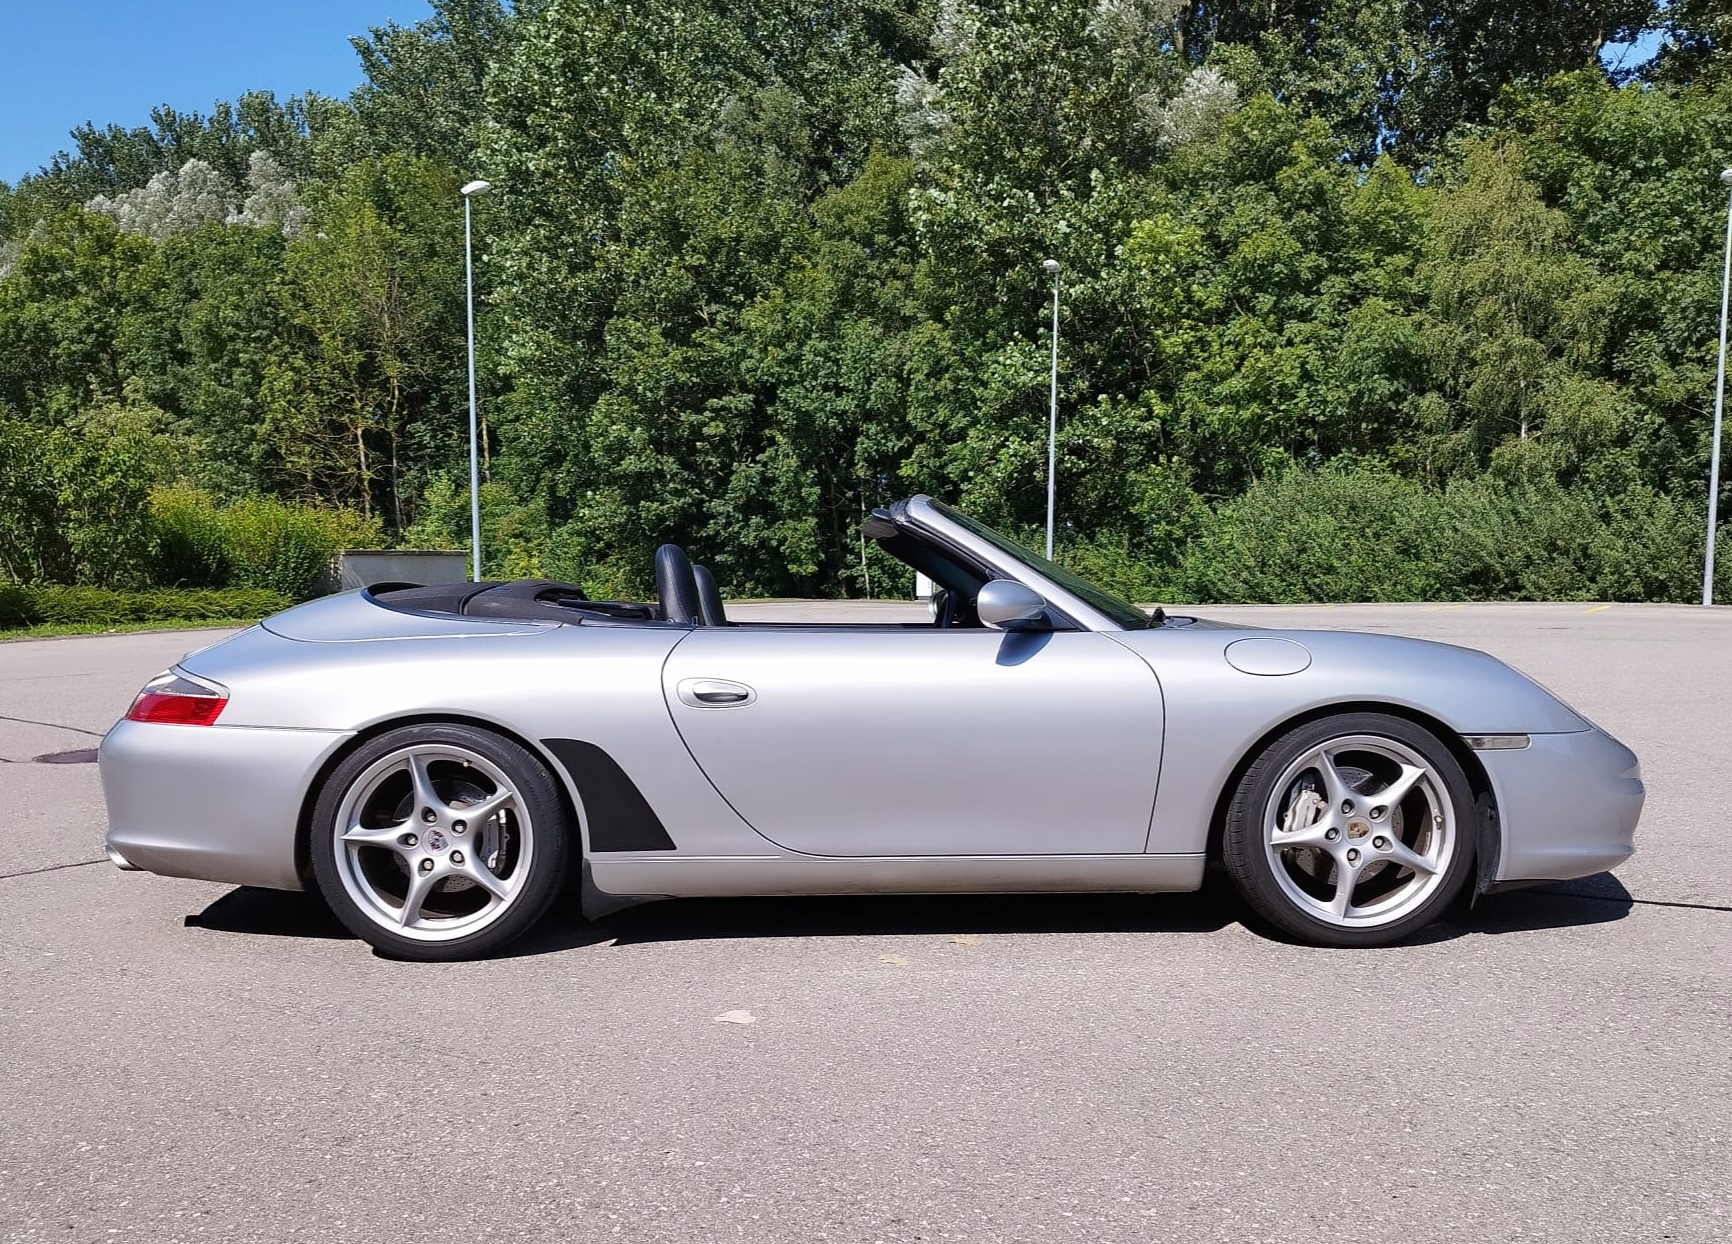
point(433, 842)
point(1360, 831)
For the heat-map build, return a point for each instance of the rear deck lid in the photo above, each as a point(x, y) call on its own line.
point(356, 617)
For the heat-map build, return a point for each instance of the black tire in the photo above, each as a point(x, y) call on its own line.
point(1296, 900)
point(526, 848)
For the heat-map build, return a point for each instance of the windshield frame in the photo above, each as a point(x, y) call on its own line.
point(1121, 613)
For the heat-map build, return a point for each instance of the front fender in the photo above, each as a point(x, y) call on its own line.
point(1217, 713)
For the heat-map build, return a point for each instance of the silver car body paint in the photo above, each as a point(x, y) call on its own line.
point(870, 759)
point(882, 741)
point(734, 876)
point(219, 804)
point(1576, 799)
point(1567, 805)
point(601, 684)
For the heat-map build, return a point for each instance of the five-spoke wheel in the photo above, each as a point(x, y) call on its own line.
point(439, 842)
point(1351, 831)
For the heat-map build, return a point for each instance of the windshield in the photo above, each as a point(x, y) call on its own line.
point(1122, 612)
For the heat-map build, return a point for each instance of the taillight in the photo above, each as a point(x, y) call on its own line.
point(178, 701)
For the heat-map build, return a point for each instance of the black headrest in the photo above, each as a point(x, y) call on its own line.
point(709, 597)
point(676, 587)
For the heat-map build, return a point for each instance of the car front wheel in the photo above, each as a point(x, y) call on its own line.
point(440, 842)
point(1354, 830)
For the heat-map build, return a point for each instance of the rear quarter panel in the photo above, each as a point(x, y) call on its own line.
point(597, 684)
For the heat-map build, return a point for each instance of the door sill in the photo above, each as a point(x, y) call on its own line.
point(741, 876)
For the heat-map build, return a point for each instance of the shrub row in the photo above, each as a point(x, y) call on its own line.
point(1361, 533)
point(53, 605)
point(1344, 532)
point(259, 542)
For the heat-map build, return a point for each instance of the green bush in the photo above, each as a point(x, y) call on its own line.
point(257, 543)
point(1355, 532)
point(517, 541)
point(1112, 561)
point(72, 497)
point(189, 543)
point(286, 548)
point(37, 606)
point(1650, 548)
point(1340, 533)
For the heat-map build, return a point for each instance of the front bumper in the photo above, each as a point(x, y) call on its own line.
point(214, 803)
point(1567, 805)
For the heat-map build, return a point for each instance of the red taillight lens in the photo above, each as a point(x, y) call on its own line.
point(178, 701)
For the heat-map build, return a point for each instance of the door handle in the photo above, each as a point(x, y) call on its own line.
point(715, 693)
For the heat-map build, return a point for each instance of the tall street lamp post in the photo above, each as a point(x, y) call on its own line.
point(1050, 267)
point(469, 192)
point(1719, 406)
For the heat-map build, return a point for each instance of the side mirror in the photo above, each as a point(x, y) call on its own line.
point(1005, 605)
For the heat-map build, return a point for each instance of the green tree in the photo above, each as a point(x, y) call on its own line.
point(77, 290)
point(672, 193)
point(73, 497)
point(371, 302)
point(425, 93)
point(1519, 313)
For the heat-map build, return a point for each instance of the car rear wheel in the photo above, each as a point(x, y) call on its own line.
point(1354, 830)
point(440, 842)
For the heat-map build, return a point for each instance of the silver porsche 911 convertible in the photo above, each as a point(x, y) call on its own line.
point(442, 763)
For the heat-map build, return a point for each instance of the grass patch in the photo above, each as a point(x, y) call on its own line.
point(101, 609)
point(62, 630)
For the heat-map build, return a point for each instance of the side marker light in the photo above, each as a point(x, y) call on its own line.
point(1495, 742)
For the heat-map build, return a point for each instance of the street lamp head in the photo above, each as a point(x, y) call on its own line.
point(1049, 266)
point(477, 187)
point(1726, 176)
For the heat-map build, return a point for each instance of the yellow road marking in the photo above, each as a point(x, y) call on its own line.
point(1596, 609)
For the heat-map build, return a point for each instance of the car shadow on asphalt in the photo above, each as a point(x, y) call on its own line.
point(1205, 911)
point(273, 913)
point(1596, 900)
point(269, 913)
point(1599, 899)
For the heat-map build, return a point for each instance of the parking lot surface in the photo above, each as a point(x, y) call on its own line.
point(184, 1061)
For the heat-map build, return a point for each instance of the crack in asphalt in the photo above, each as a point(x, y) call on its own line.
point(52, 725)
point(54, 868)
point(1639, 902)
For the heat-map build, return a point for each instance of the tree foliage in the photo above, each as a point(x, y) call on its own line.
point(1402, 297)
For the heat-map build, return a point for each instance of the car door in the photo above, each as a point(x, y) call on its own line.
point(921, 741)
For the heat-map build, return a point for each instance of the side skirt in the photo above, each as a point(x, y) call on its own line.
point(738, 876)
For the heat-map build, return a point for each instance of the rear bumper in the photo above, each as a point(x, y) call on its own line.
point(210, 802)
point(1567, 805)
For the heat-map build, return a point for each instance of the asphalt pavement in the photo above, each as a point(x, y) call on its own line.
point(184, 1061)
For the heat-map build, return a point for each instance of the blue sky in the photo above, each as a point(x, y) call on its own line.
point(70, 61)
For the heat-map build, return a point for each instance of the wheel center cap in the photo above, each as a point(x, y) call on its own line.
point(437, 841)
point(1357, 829)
